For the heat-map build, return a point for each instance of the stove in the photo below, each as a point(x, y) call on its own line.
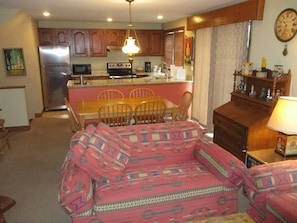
point(119, 70)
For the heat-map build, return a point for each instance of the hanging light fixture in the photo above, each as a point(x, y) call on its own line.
point(130, 46)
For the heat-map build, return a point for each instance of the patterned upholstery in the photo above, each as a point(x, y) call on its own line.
point(167, 179)
point(272, 191)
point(105, 153)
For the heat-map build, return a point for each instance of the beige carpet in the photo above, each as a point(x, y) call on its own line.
point(234, 218)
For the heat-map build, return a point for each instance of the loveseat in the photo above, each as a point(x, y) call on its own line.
point(148, 173)
point(272, 191)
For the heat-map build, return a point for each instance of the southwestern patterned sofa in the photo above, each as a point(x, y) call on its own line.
point(148, 173)
point(272, 191)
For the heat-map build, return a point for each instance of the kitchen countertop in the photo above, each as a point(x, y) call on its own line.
point(151, 79)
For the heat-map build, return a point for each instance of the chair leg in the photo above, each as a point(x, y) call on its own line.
point(5, 204)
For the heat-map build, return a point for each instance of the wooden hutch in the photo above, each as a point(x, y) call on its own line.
point(240, 125)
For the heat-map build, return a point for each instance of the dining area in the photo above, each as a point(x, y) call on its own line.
point(140, 106)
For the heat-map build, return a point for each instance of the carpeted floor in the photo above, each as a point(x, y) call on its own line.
point(30, 170)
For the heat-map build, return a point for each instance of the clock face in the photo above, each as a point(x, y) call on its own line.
point(285, 26)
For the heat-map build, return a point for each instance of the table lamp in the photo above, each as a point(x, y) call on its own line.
point(284, 120)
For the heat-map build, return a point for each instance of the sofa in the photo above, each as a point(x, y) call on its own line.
point(164, 172)
point(272, 192)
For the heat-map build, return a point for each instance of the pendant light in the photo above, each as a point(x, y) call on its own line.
point(131, 46)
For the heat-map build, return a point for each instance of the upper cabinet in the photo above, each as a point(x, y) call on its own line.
point(97, 43)
point(115, 37)
point(156, 43)
point(151, 42)
point(48, 36)
point(80, 43)
point(63, 37)
point(94, 42)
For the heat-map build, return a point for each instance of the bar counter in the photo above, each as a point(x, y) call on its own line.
point(126, 81)
point(171, 89)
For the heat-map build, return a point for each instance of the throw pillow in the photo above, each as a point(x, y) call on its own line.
point(106, 154)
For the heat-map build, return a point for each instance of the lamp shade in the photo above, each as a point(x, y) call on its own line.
point(130, 48)
point(284, 116)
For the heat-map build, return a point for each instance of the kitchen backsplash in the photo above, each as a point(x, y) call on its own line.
point(99, 63)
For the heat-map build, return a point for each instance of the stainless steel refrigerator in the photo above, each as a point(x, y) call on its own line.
point(55, 72)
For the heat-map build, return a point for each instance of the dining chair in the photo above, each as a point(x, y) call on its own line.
point(75, 124)
point(4, 138)
point(183, 107)
point(115, 114)
point(141, 92)
point(148, 112)
point(112, 93)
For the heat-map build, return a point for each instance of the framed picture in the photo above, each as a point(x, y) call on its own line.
point(14, 60)
point(188, 49)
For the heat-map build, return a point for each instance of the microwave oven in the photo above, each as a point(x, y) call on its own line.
point(81, 69)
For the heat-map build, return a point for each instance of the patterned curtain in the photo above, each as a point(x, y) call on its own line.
point(219, 51)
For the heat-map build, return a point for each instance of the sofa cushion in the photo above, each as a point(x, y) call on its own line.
point(283, 206)
point(106, 153)
point(150, 192)
point(220, 162)
point(275, 177)
point(158, 144)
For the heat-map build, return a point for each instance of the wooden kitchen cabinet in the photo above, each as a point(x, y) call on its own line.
point(151, 42)
point(46, 36)
point(115, 37)
point(49, 36)
point(97, 43)
point(157, 43)
point(240, 125)
point(80, 42)
point(62, 37)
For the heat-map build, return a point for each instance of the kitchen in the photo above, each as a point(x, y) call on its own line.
point(17, 23)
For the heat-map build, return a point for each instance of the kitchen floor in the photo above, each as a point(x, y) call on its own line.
point(56, 114)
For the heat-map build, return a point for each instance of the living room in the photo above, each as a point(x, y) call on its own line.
point(263, 44)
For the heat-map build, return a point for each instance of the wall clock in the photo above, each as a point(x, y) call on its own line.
point(285, 26)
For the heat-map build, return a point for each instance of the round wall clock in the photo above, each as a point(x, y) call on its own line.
point(285, 26)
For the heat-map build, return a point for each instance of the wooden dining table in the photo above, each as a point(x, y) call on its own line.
point(88, 108)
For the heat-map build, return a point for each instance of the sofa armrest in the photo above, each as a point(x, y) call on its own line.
point(277, 177)
point(221, 163)
point(75, 190)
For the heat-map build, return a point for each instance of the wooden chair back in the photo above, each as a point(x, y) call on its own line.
point(141, 92)
point(184, 105)
point(115, 114)
point(112, 93)
point(148, 112)
point(75, 124)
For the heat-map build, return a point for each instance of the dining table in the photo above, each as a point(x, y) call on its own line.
point(87, 109)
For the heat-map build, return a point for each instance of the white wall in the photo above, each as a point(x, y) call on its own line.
point(265, 44)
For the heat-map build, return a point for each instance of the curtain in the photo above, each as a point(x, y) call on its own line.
point(219, 52)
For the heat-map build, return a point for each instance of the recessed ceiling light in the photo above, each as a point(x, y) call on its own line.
point(109, 19)
point(46, 14)
point(159, 17)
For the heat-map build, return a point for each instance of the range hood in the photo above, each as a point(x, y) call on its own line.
point(114, 48)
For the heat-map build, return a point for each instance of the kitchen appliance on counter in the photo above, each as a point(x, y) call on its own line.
point(55, 72)
point(120, 70)
point(81, 69)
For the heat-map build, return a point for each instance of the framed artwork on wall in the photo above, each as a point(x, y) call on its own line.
point(188, 49)
point(14, 61)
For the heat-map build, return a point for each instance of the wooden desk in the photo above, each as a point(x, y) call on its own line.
point(88, 109)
